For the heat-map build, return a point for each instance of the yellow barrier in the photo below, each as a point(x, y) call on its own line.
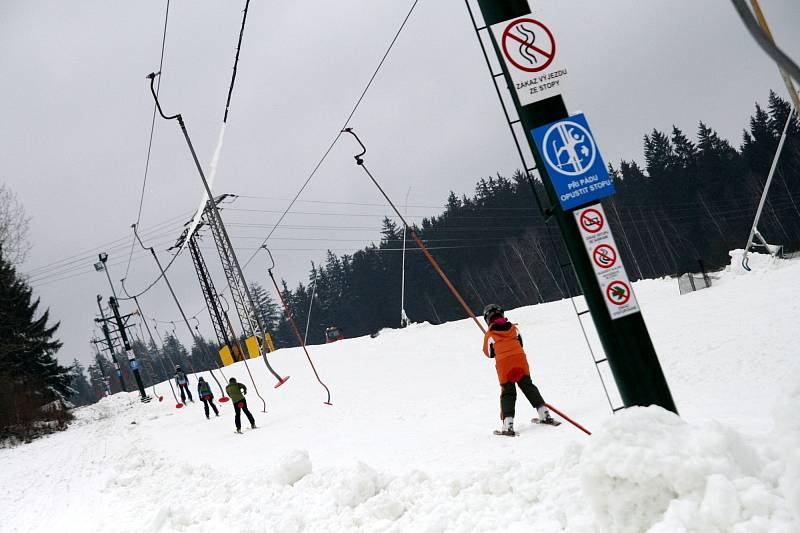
point(225, 356)
point(252, 347)
point(269, 344)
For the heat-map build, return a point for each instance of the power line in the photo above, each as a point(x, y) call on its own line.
point(346, 123)
point(152, 130)
point(106, 246)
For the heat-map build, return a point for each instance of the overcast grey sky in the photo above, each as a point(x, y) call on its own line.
point(77, 112)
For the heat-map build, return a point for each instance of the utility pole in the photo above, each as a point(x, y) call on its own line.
point(110, 343)
point(625, 339)
point(403, 316)
point(180, 308)
point(134, 364)
point(218, 220)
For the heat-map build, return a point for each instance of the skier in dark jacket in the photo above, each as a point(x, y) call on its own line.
point(236, 392)
point(183, 384)
point(205, 394)
point(503, 343)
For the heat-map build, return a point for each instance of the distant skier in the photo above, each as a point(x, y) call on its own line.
point(183, 384)
point(205, 394)
point(236, 392)
point(503, 343)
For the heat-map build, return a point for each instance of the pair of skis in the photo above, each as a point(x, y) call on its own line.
point(549, 422)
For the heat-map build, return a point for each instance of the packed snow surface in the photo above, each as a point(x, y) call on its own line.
point(408, 444)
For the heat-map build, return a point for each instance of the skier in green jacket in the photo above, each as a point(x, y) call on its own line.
point(236, 392)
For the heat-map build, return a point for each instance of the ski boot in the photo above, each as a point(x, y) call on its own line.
point(508, 427)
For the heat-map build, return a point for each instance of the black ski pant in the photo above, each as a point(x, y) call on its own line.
point(209, 400)
point(184, 387)
point(240, 406)
point(508, 395)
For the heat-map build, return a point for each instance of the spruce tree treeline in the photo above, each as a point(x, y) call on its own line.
point(694, 200)
point(34, 386)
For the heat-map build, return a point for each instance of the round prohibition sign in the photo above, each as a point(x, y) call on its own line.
point(592, 220)
point(618, 292)
point(604, 256)
point(526, 50)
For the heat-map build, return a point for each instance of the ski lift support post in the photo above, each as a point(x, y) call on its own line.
point(196, 340)
point(215, 213)
point(626, 341)
point(178, 404)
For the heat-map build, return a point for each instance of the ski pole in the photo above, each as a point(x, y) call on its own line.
point(294, 326)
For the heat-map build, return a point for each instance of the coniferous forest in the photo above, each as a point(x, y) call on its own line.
point(692, 200)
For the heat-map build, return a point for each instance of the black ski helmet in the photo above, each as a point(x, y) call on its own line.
point(232, 380)
point(491, 311)
point(200, 378)
point(177, 368)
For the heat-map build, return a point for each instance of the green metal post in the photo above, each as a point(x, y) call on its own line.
point(626, 341)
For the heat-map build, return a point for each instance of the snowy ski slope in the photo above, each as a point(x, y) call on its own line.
point(407, 444)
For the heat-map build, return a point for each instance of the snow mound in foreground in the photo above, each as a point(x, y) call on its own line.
point(648, 470)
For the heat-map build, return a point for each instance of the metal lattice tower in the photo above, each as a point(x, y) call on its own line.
point(209, 291)
point(235, 282)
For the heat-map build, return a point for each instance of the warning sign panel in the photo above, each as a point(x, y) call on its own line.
point(591, 221)
point(573, 162)
point(606, 262)
point(604, 256)
point(530, 51)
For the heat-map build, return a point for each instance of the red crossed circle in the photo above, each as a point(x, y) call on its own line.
point(604, 256)
point(618, 292)
point(592, 220)
point(507, 35)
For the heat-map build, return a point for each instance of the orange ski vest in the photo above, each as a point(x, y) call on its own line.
point(509, 357)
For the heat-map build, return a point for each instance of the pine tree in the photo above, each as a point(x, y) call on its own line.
point(97, 380)
point(266, 307)
point(31, 376)
point(83, 393)
point(28, 348)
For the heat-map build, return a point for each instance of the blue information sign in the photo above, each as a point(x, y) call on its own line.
point(573, 162)
point(134, 364)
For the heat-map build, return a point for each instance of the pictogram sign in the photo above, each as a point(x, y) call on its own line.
point(604, 255)
point(529, 45)
point(573, 162)
point(592, 220)
point(529, 50)
point(606, 262)
point(618, 292)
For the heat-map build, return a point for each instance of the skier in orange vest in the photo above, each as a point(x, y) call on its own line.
point(503, 343)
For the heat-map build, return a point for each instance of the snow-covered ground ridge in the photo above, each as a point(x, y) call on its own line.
point(407, 444)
